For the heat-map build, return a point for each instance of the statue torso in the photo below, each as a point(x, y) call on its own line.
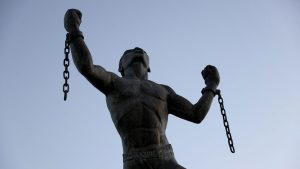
point(139, 111)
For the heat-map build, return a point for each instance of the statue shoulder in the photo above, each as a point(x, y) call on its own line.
point(168, 89)
point(113, 76)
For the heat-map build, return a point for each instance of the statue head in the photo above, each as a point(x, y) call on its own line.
point(131, 56)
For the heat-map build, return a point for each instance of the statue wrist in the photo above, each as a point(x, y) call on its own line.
point(74, 35)
point(211, 89)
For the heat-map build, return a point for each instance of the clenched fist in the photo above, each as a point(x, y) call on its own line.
point(211, 76)
point(72, 20)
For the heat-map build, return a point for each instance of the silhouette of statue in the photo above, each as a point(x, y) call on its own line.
point(139, 108)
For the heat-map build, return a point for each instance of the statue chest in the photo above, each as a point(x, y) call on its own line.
point(140, 102)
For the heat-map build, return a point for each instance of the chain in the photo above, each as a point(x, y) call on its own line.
point(66, 73)
point(225, 121)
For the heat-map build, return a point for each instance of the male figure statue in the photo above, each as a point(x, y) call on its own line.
point(139, 107)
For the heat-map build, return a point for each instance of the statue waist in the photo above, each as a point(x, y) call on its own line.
point(160, 152)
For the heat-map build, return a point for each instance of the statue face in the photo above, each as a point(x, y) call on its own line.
point(136, 60)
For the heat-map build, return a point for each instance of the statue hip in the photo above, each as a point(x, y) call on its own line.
point(157, 157)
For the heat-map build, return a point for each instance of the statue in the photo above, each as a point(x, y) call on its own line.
point(139, 108)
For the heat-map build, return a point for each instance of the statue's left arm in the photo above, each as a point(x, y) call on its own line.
point(182, 108)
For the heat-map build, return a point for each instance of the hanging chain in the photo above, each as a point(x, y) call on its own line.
point(66, 73)
point(225, 121)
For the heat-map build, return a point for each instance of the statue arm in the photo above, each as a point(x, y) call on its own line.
point(95, 74)
point(182, 108)
point(81, 55)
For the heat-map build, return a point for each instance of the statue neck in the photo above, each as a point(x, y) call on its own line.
point(135, 75)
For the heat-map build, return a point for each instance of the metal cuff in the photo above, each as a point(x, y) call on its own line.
point(74, 35)
point(208, 90)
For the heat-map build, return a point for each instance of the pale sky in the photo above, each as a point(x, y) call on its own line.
point(254, 44)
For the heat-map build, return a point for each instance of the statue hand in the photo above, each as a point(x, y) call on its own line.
point(72, 20)
point(211, 76)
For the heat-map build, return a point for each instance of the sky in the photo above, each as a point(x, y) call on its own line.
point(254, 44)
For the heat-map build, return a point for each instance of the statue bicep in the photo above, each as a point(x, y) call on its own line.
point(101, 79)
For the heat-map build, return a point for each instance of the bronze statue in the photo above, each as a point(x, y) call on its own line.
point(139, 107)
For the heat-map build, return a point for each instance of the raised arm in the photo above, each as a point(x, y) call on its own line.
point(182, 108)
point(81, 55)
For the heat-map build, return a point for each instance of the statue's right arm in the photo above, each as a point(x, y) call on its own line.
point(82, 58)
point(95, 74)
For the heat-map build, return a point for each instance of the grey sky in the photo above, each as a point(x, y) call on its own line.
point(255, 45)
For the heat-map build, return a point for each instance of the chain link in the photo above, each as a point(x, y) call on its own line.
point(225, 121)
point(66, 63)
